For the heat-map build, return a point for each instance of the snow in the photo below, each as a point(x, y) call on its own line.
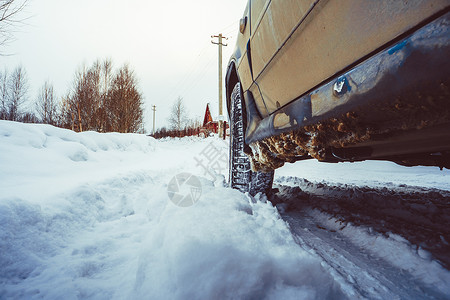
point(88, 215)
point(368, 173)
point(394, 249)
point(403, 226)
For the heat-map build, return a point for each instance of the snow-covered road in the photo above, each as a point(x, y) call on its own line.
point(89, 216)
point(377, 243)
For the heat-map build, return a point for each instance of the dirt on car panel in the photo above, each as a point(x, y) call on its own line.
point(378, 120)
point(271, 153)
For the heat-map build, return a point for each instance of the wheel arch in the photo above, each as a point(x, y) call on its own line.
point(231, 80)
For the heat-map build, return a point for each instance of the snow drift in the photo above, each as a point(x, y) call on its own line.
point(86, 215)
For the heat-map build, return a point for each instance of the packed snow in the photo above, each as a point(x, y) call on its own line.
point(88, 215)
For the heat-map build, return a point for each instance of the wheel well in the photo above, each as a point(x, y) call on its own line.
point(231, 80)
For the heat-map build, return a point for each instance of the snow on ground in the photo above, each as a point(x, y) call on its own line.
point(394, 249)
point(398, 235)
point(368, 173)
point(87, 215)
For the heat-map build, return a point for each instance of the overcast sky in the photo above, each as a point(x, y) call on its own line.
point(167, 43)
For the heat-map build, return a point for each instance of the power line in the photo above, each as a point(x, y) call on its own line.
point(235, 23)
point(192, 70)
point(187, 79)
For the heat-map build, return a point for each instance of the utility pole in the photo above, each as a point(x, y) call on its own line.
point(154, 111)
point(220, 44)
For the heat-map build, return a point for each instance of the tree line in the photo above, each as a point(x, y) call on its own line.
point(100, 99)
point(194, 129)
point(179, 123)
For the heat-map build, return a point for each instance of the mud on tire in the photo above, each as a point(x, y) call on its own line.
point(241, 175)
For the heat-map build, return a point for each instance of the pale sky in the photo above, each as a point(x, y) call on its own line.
point(167, 43)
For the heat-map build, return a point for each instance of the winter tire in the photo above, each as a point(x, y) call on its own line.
point(241, 175)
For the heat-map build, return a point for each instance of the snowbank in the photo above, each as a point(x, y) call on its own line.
point(87, 215)
point(368, 173)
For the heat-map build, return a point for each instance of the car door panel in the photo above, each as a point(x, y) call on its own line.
point(279, 20)
point(334, 35)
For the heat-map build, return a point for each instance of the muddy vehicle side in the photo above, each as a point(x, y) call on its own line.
point(339, 81)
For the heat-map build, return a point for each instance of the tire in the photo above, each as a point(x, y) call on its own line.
point(241, 175)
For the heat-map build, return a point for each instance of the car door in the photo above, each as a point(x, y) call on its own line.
point(272, 23)
point(297, 45)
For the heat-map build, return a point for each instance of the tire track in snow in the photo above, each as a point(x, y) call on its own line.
point(318, 216)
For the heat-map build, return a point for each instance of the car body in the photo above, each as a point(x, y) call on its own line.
point(343, 81)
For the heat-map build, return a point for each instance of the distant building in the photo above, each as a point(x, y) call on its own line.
point(209, 125)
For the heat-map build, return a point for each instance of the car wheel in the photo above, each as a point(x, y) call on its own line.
point(241, 175)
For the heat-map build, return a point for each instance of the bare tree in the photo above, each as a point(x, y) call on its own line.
point(29, 117)
point(106, 78)
point(4, 95)
point(9, 17)
point(46, 105)
point(86, 104)
point(124, 103)
point(103, 101)
point(17, 92)
point(178, 115)
point(64, 117)
point(84, 100)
